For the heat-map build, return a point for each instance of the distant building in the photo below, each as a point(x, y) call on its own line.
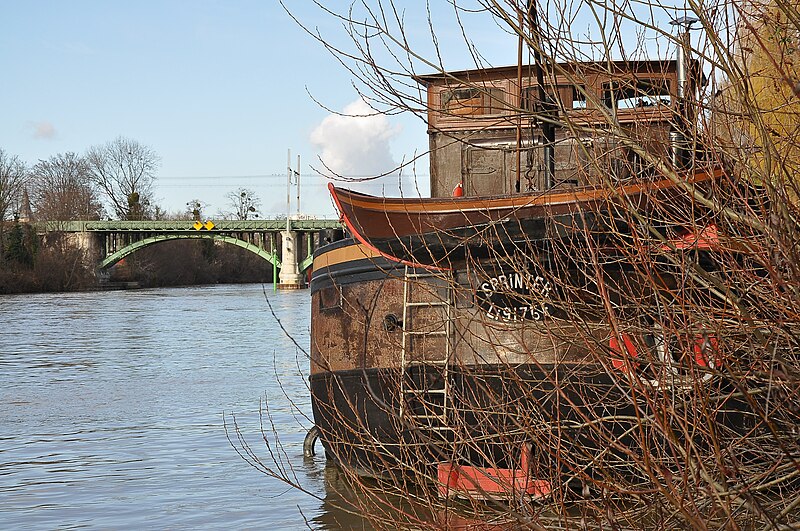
point(25, 212)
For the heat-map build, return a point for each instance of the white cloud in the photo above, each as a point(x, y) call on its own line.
point(43, 130)
point(356, 143)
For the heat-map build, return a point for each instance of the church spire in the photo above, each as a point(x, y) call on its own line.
point(25, 212)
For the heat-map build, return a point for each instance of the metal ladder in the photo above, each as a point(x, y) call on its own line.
point(425, 381)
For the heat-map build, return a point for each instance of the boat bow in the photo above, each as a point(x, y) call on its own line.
point(430, 232)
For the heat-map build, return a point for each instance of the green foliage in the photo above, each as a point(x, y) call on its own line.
point(22, 246)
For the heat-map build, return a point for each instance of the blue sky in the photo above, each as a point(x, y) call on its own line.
point(219, 89)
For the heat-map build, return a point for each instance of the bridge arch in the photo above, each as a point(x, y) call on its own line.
point(110, 260)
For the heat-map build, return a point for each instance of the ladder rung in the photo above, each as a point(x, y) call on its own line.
point(419, 398)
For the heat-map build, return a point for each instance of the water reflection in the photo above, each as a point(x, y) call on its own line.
point(346, 501)
point(113, 408)
point(340, 505)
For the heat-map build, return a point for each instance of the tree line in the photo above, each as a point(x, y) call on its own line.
point(114, 180)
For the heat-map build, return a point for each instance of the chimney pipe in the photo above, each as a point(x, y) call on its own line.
point(677, 136)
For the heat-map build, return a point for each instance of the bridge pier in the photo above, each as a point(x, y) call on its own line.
point(88, 243)
point(290, 277)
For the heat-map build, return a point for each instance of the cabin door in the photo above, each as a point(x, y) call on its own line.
point(484, 171)
point(570, 163)
point(571, 166)
point(494, 171)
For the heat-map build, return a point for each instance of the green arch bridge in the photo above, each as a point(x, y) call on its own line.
point(111, 241)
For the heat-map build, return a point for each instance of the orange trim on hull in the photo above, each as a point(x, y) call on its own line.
point(350, 253)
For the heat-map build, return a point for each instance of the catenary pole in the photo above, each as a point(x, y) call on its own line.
point(298, 186)
point(288, 187)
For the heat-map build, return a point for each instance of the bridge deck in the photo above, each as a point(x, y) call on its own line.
point(300, 225)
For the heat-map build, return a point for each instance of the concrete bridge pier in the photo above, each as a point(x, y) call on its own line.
point(289, 277)
point(88, 243)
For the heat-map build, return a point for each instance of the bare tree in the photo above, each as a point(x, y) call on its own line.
point(717, 447)
point(195, 209)
point(124, 170)
point(12, 179)
point(62, 189)
point(245, 204)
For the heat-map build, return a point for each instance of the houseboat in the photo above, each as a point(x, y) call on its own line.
point(508, 334)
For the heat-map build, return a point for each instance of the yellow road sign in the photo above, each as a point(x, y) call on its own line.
point(209, 224)
point(197, 225)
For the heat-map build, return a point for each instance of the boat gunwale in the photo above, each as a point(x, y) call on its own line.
point(458, 205)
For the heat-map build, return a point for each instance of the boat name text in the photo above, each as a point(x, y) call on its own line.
point(516, 296)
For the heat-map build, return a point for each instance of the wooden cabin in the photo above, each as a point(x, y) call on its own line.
point(482, 124)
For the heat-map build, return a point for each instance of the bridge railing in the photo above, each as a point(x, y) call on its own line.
point(300, 225)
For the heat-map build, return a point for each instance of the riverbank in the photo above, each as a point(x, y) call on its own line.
point(172, 264)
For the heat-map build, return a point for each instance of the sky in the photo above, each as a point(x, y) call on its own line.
point(220, 89)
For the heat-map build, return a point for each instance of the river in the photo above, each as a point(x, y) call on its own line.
point(115, 405)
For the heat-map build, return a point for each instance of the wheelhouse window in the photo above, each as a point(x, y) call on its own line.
point(572, 97)
point(636, 94)
point(578, 96)
point(473, 101)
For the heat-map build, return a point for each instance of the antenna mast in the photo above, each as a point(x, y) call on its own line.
point(545, 101)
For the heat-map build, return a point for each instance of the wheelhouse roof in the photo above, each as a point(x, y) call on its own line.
point(583, 67)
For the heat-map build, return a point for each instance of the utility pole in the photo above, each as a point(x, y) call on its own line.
point(290, 277)
point(297, 173)
point(288, 188)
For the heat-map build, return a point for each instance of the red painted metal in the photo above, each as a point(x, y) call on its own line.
point(707, 239)
point(487, 482)
point(628, 351)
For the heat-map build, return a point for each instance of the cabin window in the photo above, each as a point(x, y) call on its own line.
point(636, 94)
point(572, 97)
point(578, 95)
point(473, 101)
point(330, 298)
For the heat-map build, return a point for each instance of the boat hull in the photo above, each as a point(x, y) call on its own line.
point(579, 423)
point(434, 232)
point(502, 378)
